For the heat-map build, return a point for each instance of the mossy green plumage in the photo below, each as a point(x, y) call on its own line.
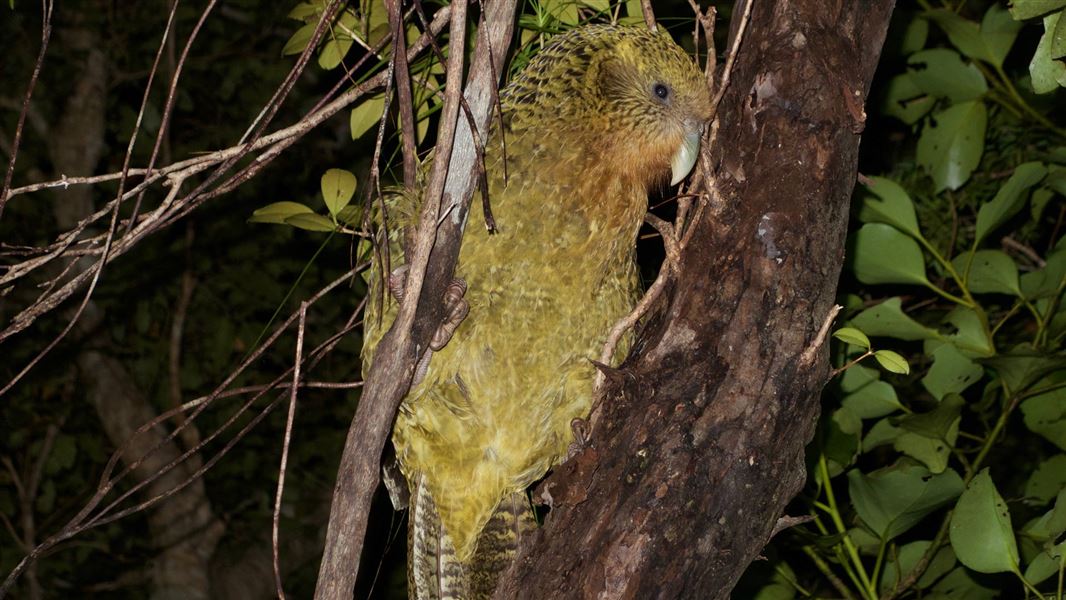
point(587, 127)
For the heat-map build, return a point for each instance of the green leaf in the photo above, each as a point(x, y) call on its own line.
point(991, 42)
point(366, 115)
point(1027, 9)
point(338, 187)
point(1049, 526)
point(1039, 535)
point(334, 51)
point(850, 335)
point(937, 423)
point(892, 361)
point(970, 336)
point(914, 35)
point(1009, 199)
point(278, 212)
point(892, 500)
point(981, 532)
point(873, 400)
point(351, 215)
point(1046, 564)
point(1047, 480)
point(991, 272)
point(882, 254)
point(941, 73)
point(338, 40)
point(311, 222)
point(951, 372)
point(1023, 366)
point(298, 41)
point(865, 541)
point(376, 14)
point(377, 34)
point(951, 143)
point(905, 100)
point(959, 584)
point(929, 437)
point(1058, 39)
point(1045, 281)
point(857, 377)
point(778, 587)
point(883, 432)
point(930, 452)
point(902, 562)
point(998, 32)
point(564, 10)
point(963, 33)
point(887, 319)
point(889, 204)
point(1045, 414)
point(841, 442)
point(1048, 74)
point(1039, 200)
point(633, 10)
point(304, 11)
point(1056, 179)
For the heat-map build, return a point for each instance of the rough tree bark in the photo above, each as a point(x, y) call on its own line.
point(701, 441)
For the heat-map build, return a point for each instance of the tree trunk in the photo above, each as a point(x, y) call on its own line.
point(700, 444)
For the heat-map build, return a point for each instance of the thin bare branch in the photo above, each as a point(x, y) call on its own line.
point(276, 522)
point(84, 519)
point(705, 20)
point(811, 353)
point(190, 436)
point(174, 208)
point(168, 109)
point(46, 35)
point(731, 58)
point(1025, 250)
point(402, 77)
point(649, 15)
point(666, 272)
point(94, 272)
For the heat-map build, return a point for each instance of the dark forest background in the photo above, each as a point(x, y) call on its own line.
point(939, 466)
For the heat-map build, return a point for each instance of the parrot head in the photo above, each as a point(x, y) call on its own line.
point(662, 102)
point(628, 94)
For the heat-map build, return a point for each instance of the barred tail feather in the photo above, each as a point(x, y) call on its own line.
point(433, 570)
point(498, 543)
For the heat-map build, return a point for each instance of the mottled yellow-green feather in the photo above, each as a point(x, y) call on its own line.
point(585, 137)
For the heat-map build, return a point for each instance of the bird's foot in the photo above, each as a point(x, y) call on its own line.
point(455, 305)
point(398, 282)
point(582, 435)
point(455, 310)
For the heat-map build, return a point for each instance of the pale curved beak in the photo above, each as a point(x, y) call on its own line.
point(685, 157)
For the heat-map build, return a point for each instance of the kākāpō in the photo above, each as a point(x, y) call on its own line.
point(597, 117)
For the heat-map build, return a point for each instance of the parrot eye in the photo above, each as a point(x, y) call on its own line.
point(661, 91)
